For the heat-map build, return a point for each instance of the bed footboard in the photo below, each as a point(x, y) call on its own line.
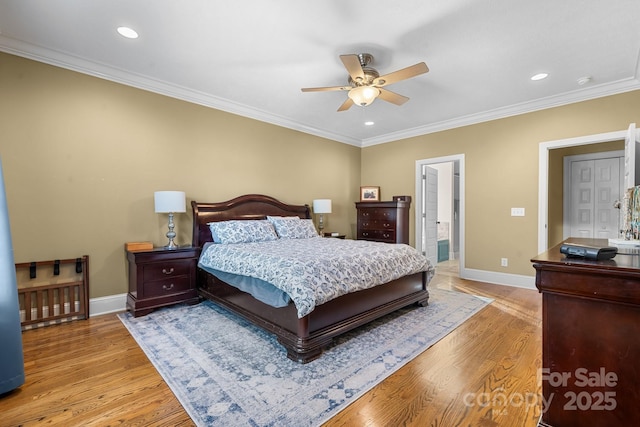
point(305, 338)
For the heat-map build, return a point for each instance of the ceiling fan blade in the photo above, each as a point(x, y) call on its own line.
point(392, 97)
point(352, 64)
point(405, 73)
point(346, 105)
point(324, 89)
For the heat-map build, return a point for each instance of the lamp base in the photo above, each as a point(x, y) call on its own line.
point(321, 225)
point(171, 245)
point(171, 234)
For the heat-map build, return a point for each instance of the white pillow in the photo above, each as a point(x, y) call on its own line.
point(293, 227)
point(242, 231)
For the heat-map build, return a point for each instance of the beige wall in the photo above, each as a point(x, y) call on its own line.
point(501, 159)
point(82, 157)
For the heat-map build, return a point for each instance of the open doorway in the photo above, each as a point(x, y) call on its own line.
point(545, 228)
point(439, 213)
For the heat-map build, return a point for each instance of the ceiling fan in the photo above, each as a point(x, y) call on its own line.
point(366, 84)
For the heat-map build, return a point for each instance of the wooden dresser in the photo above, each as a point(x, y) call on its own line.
point(590, 338)
point(384, 221)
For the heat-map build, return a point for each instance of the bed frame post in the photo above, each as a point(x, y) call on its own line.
point(304, 348)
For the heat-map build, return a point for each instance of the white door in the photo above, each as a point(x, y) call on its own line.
point(595, 187)
point(631, 158)
point(544, 183)
point(430, 216)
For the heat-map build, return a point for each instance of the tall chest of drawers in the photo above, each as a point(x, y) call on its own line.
point(384, 221)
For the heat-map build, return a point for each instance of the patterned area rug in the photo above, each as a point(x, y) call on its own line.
point(226, 372)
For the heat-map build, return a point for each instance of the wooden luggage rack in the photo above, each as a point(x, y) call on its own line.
point(52, 292)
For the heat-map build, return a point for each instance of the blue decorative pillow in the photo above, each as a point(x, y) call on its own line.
point(242, 231)
point(293, 227)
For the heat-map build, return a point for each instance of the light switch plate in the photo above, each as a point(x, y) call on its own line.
point(517, 211)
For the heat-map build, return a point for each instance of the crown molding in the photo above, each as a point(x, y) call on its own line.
point(117, 75)
point(594, 92)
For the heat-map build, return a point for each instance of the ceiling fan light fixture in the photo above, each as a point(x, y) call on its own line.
point(365, 83)
point(364, 95)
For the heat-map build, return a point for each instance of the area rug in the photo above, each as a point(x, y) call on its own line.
point(227, 372)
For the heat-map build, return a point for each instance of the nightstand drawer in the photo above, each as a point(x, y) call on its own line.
point(165, 270)
point(167, 286)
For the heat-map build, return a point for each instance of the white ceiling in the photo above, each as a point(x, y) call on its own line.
point(252, 57)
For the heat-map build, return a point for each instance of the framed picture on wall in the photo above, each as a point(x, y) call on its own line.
point(369, 194)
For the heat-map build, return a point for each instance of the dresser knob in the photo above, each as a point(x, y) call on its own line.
point(167, 288)
point(165, 271)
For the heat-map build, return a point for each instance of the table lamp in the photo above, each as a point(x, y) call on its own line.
point(321, 207)
point(170, 202)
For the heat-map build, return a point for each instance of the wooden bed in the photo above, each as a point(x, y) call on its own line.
point(303, 338)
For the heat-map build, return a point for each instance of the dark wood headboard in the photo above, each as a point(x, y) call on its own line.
point(249, 206)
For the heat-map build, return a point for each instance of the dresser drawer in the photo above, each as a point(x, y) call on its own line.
point(376, 224)
point(167, 286)
point(382, 214)
point(165, 270)
point(388, 236)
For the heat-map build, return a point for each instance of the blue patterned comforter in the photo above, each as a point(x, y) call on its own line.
point(316, 270)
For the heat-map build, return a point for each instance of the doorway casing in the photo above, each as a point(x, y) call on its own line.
point(543, 175)
point(459, 158)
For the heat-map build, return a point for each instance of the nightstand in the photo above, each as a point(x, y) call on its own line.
point(159, 277)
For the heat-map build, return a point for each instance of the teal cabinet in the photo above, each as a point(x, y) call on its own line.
point(443, 250)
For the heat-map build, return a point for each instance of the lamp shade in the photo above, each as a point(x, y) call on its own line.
point(364, 95)
point(170, 201)
point(322, 206)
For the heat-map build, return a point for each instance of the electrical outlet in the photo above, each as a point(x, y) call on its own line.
point(504, 262)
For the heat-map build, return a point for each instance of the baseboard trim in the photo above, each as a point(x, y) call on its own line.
point(108, 304)
point(515, 280)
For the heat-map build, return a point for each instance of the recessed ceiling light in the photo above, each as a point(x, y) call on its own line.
point(128, 32)
point(539, 76)
point(369, 123)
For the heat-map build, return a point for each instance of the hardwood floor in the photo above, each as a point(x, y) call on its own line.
point(485, 373)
